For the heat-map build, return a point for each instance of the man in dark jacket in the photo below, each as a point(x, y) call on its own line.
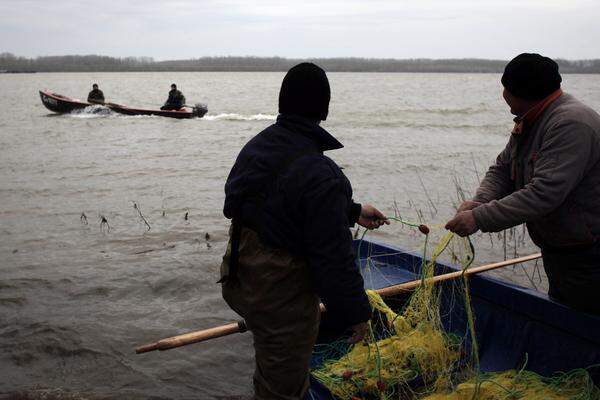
point(175, 101)
point(95, 96)
point(290, 243)
point(548, 176)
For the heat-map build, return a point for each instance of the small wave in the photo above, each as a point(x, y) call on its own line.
point(100, 291)
point(13, 301)
point(46, 394)
point(24, 358)
point(430, 125)
point(445, 111)
point(99, 111)
point(95, 111)
point(240, 117)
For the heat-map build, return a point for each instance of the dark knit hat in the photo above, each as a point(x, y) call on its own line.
point(531, 76)
point(305, 91)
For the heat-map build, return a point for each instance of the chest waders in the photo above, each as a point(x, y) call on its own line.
point(272, 290)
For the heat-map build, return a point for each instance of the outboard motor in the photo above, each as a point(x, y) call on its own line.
point(199, 110)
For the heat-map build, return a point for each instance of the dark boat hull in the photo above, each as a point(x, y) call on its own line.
point(61, 104)
point(513, 324)
point(179, 114)
point(161, 113)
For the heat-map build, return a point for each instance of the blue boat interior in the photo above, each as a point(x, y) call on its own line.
point(515, 326)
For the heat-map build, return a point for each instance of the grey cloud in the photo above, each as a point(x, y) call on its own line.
point(394, 29)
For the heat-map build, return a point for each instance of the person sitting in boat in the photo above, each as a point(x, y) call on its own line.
point(292, 245)
point(548, 177)
point(95, 96)
point(175, 101)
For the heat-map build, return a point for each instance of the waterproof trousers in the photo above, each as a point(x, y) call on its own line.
point(273, 293)
point(574, 277)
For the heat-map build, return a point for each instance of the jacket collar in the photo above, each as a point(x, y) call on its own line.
point(529, 118)
point(310, 129)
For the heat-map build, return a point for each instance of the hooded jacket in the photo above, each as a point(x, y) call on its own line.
point(297, 199)
point(176, 99)
point(96, 96)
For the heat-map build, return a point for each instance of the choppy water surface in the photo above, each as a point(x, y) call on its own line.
point(76, 297)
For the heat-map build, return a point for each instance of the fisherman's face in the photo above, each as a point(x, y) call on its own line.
point(518, 107)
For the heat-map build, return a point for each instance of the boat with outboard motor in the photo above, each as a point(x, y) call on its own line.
point(197, 111)
point(61, 104)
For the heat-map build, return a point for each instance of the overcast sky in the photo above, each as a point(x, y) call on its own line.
point(370, 28)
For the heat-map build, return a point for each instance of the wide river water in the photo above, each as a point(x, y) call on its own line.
point(76, 297)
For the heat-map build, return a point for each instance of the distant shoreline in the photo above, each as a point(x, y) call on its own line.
point(9, 63)
point(244, 71)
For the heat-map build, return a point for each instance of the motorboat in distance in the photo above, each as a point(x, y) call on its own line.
point(197, 111)
point(61, 104)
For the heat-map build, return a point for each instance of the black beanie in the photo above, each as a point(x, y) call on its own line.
point(305, 92)
point(531, 76)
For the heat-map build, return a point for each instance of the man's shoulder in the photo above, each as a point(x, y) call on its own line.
point(269, 145)
point(262, 138)
point(571, 111)
point(300, 154)
point(314, 168)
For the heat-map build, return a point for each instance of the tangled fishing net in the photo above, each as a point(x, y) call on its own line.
point(409, 355)
point(574, 385)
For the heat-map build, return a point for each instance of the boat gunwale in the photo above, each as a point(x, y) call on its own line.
point(65, 99)
point(479, 284)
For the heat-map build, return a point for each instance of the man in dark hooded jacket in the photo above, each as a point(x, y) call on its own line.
point(290, 243)
point(175, 101)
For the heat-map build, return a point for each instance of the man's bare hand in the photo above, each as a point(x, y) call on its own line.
point(360, 331)
point(463, 224)
point(468, 205)
point(371, 218)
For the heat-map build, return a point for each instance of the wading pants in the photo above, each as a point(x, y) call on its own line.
point(574, 277)
point(274, 295)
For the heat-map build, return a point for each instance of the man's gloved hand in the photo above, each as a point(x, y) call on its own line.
point(360, 331)
point(371, 218)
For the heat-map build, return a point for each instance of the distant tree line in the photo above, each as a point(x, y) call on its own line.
point(95, 63)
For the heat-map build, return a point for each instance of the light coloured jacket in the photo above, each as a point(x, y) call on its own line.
point(548, 177)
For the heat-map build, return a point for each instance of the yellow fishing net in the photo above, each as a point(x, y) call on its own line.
point(515, 385)
point(408, 355)
point(415, 346)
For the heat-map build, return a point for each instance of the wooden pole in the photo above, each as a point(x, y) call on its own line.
point(194, 337)
point(240, 326)
point(403, 287)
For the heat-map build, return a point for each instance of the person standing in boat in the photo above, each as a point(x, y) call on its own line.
point(176, 99)
point(290, 243)
point(95, 96)
point(548, 176)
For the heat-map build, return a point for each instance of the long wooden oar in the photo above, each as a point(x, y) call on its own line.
point(240, 326)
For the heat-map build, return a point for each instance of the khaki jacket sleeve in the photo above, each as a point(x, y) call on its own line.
point(561, 164)
point(497, 182)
